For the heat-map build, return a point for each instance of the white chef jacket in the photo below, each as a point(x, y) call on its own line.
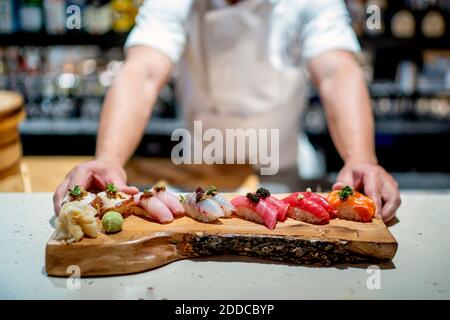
point(317, 25)
point(295, 31)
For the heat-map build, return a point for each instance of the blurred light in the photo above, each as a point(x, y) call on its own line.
point(67, 80)
point(106, 78)
point(88, 66)
point(114, 67)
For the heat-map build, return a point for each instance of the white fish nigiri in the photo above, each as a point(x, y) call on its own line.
point(79, 196)
point(226, 205)
point(169, 199)
point(202, 208)
point(155, 208)
point(113, 199)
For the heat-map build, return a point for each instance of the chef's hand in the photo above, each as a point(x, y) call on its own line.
point(374, 182)
point(94, 174)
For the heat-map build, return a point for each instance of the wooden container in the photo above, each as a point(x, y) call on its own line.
point(11, 114)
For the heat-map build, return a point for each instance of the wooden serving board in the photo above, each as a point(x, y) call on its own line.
point(144, 245)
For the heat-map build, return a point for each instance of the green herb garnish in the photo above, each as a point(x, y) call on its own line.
point(263, 193)
point(345, 192)
point(77, 193)
point(211, 191)
point(253, 197)
point(111, 191)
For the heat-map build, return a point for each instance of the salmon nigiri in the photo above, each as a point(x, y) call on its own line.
point(282, 208)
point(306, 210)
point(155, 209)
point(352, 205)
point(169, 199)
point(252, 207)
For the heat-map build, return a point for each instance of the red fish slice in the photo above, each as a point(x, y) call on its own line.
point(257, 210)
point(317, 198)
point(306, 210)
point(281, 207)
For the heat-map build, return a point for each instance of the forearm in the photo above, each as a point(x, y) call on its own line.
point(125, 114)
point(128, 104)
point(347, 105)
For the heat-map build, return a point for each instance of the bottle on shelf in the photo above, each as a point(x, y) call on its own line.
point(8, 16)
point(433, 25)
point(98, 17)
point(124, 13)
point(31, 15)
point(55, 16)
point(403, 24)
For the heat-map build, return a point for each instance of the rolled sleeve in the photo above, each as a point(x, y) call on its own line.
point(326, 26)
point(160, 25)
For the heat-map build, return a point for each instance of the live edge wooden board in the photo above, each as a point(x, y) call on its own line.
point(144, 245)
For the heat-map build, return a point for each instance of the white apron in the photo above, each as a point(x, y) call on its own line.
point(227, 80)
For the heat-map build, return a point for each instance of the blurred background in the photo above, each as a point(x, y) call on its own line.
point(63, 75)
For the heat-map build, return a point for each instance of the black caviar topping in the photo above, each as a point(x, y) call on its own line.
point(253, 197)
point(263, 192)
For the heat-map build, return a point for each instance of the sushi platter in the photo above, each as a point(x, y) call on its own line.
point(90, 236)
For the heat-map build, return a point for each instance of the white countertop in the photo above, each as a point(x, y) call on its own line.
point(420, 270)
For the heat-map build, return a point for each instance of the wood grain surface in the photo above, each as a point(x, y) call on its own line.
point(144, 245)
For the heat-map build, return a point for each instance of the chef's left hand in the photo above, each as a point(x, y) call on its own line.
point(374, 182)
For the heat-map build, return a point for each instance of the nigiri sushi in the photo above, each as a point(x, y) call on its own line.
point(169, 199)
point(281, 207)
point(154, 208)
point(317, 198)
point(252, 207)
point(226, 205)
point(113, 199)
point(352, 205)
point(306, 210)
point(202, 207)
point(79, 196)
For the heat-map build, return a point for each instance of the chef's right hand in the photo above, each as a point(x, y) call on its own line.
point(94, 174)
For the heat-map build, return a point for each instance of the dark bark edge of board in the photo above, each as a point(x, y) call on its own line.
point(287, 249)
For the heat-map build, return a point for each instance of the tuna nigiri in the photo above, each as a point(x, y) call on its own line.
point(154, 208)
point(306, 210)
point(226, 205)
point(352, 205)
point(317, 198)
point(169, 199)
point(281, 207)
point(252, 207)
point(202, 207)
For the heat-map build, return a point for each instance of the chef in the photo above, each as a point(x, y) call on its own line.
point(242, 64)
